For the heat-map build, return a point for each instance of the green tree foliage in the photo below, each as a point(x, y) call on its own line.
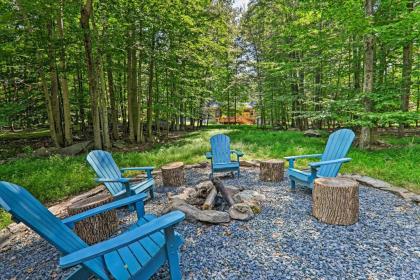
point(135, 70)
point(308, 61)
point(154, 65)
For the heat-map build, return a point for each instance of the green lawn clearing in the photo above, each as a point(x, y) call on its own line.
point(55, 178)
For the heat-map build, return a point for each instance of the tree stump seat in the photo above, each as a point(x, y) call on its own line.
point(272, 170)
point(336, 201)
point(97, 228)
point(173, 174)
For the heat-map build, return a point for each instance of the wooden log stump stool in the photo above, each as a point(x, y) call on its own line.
point(271, 170)
point(97, 228)
point(173, 174)
point(336, 201)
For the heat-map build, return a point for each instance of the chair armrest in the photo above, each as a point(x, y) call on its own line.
point(292, 159)
point(209, 155)
point(303, 156)
point(122, 240)
point(327, 162)
point(113, 180)
point(238, 153)
point(147, 169)
point(135, 199)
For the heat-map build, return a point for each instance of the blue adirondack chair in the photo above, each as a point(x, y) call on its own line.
point(135, 254)
point(220, 155)
point(112, 177)
point(333, 157)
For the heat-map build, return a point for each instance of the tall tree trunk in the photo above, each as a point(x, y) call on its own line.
point(356, 65)
point(86, 12)
point(150, 91)
point(49, 111)
point(318, 95)
point(55, 102)
point(406, 73)
point(140, 122)
point(81, 100)
point(303, 123)
point(130, 81)
point(112, 98)
point(260, 89)
point(103, 102)
point(68, 137)
point(157, 114)
point(134, 91)
point(418, 101)
point(365, 137)
point(123, 95)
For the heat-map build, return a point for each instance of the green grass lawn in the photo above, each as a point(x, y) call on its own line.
point(55, 178)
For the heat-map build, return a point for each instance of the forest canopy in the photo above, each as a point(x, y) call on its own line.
point(106, 70)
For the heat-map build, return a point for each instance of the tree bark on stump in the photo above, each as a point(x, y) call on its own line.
point(336, 201)
point(97, 228)
point(271, 170)
point(173, 174)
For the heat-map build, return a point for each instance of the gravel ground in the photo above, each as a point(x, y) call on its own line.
point(283, 242)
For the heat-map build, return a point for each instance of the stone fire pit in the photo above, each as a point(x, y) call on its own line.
point(212, 202)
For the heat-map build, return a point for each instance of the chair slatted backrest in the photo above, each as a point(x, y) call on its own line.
point(338, 145)
point(25, 208)
point(105, 167)
point(220, 148)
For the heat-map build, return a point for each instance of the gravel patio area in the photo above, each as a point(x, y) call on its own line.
point(282, 242)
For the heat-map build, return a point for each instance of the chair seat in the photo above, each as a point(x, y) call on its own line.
point(233, 165)
point(139, 258)
point(139, 187)
point(299, 174)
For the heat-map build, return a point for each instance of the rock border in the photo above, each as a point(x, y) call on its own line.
point(384, 186)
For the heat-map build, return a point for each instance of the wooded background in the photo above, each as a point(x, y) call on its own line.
point(135, 70)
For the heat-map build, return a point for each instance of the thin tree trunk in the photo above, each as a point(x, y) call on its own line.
point(365, 137)
point(150, 91)
point(55, 103)
point(406, 73)
point(123, 94)
point(134, 93)
point(103, 101)
point(112, 98)
point(140, 123)
point(157, 114)
point(356, 65)
point(68, 137)
point(49, 111)
point(81, 101)
point(86, 12)
point(130, 99)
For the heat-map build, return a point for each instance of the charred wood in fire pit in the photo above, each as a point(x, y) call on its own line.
point(210, 200)
point(222, 189)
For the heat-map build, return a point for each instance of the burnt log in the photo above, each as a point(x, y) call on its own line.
point(227, 196)
point(210, 200)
